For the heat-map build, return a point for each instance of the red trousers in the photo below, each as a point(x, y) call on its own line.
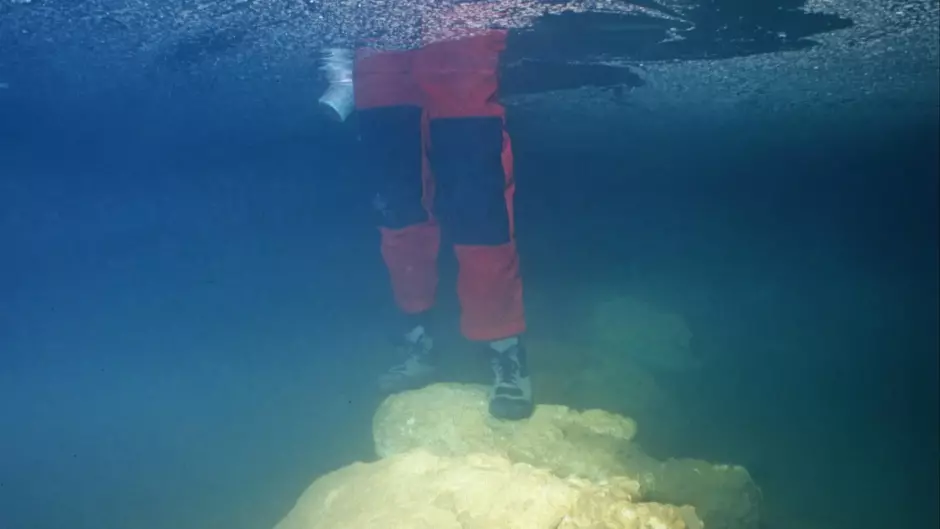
point(435, 138)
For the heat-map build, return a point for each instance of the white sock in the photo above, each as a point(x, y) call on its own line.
point(501, 346)
point(414, 335)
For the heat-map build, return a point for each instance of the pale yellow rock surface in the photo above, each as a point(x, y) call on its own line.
point(421, 490)
point(452, 419)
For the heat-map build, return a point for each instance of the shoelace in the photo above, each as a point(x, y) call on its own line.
point(419, 349)
point(506, 367)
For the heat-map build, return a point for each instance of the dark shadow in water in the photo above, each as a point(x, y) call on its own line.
point(553, 54)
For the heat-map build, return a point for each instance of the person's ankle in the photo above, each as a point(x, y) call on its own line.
point(504, 345)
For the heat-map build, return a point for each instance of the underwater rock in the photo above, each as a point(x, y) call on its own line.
point(421, 490)
point(723, 495)
point(452, 420)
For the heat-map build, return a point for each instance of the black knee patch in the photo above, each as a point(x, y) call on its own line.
point(391, 138)
point(466, 157)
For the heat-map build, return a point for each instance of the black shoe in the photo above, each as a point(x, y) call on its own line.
point(419, 364)
point(511, 396)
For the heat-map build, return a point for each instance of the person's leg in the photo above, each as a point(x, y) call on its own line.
point(471, 157)
point(392, 131)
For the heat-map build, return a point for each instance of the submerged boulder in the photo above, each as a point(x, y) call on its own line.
point(420, 490)
point(452, 420)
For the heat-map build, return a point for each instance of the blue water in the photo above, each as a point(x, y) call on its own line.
point(188, 330)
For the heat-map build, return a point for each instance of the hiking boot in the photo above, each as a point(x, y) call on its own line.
point(511, 396)
point(419, 364)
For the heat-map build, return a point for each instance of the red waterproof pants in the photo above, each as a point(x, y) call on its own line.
point(435, 136)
